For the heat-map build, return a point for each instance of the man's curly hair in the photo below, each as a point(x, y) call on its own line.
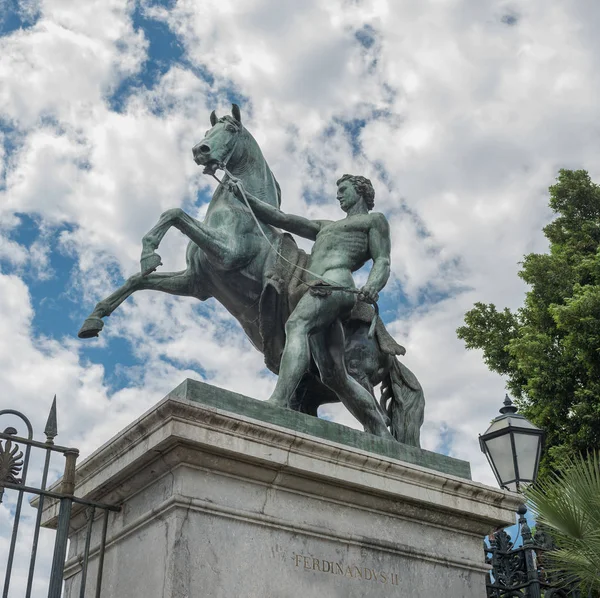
point(363, 187)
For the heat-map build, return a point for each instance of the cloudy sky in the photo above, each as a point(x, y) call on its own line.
point(460, 111)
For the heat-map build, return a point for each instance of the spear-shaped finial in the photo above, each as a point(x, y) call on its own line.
point(51, 429)
point(508, 406)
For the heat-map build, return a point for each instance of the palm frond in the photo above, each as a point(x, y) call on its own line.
point(568, 503)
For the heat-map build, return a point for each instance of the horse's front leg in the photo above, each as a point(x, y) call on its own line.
point(226, 250)
point(150, 260)
point(180, 283)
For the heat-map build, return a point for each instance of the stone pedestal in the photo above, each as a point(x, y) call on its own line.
point(224, 497)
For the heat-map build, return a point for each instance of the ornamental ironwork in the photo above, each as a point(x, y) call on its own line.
point(11, 460)
point(15, 454)
point(519, 571)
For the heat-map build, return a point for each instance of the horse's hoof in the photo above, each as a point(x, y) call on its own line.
point(149, 263)
point(91, 328)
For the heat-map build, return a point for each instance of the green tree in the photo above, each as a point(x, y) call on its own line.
point(568, 505)
point(549, 349)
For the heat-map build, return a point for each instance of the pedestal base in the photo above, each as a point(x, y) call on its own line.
point(219, 504)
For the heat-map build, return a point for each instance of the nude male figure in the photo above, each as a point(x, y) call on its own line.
point(314, 327)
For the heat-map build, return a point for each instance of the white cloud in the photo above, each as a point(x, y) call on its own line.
point(67, 61)
point(466, 121)
point(12, 252)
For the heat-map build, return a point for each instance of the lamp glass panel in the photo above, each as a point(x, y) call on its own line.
point(500, 452)
point(521, 422)
point(526, 446)
point(498, 424)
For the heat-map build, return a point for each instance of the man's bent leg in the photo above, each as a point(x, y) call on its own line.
point(295, 361)
point(328, 350)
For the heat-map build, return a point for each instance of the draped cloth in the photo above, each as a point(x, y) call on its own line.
point(284, 287)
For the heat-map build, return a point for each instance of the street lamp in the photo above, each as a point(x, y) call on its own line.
point(513, 446)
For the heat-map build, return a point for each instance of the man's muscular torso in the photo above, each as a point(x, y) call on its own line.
point(342, 247)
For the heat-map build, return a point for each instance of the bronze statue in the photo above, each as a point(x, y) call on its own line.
point(259, 274)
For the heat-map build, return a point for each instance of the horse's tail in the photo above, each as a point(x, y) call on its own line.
point(403, 400)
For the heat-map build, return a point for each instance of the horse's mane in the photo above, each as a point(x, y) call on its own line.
point(232, 121)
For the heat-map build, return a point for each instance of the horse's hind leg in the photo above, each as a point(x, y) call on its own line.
point(176, 283)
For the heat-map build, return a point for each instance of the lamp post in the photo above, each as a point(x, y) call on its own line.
point(513, 446)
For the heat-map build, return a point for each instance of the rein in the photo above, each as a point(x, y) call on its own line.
point(325, 285)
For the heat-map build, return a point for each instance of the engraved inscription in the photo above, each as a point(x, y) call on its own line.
point(309, 563)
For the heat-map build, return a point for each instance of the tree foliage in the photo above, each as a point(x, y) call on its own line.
point(549, 349)
point(568, 504)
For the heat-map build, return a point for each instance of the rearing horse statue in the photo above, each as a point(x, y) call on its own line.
point(258, 279)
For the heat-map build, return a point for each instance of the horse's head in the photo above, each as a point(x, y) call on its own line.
point(220, 141)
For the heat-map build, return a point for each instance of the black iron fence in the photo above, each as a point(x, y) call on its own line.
point(15, 458)
point(520, 571)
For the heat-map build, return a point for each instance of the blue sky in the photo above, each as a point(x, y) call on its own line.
point(460, 112)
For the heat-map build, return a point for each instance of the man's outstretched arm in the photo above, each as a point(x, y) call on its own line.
point(271, 215)
point(380, 249)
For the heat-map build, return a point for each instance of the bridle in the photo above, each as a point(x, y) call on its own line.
point(222, 164)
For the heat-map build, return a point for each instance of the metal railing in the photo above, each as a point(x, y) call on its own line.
point(15, 457)
point(520, 572)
